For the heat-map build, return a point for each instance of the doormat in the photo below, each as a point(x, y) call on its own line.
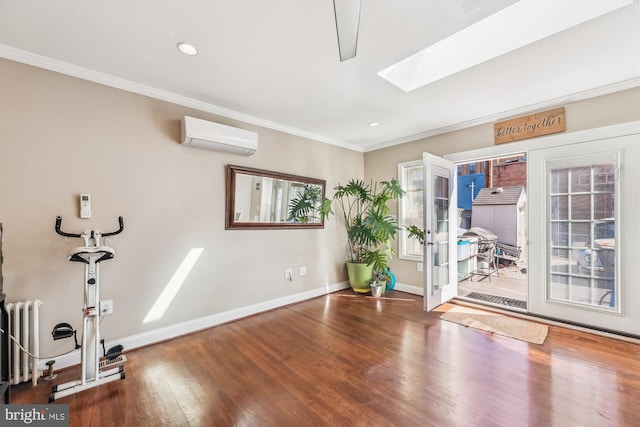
point(496, 323)
point(498, 300)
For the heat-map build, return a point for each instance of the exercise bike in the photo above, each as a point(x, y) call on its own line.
point(95, 370)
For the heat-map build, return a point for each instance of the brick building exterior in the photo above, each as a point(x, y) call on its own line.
point(503, 172)
point(509, 174)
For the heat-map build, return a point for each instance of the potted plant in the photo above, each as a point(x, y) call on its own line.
point(370, 229)
point(380, 278)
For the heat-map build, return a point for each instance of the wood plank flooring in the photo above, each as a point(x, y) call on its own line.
point(355, 361)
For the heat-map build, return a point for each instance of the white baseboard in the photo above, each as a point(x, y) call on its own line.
point(411, 289)
point(168, 332)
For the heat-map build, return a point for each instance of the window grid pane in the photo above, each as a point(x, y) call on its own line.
point(411, 211)
point(440, 227)
point(581, 212)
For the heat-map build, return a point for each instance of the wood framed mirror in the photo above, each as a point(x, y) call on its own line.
point(262, 199)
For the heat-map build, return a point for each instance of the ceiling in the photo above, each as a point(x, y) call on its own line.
point(275, 63)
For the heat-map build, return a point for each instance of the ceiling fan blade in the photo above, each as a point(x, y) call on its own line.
point(347, 22)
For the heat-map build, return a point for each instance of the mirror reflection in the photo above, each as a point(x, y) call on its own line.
point(258, 198)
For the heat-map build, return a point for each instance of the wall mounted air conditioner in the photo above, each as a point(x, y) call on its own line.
point(214, 136)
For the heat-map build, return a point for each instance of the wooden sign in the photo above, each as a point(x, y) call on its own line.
point(530, 126)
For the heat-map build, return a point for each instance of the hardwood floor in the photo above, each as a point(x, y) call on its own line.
point(351, 361)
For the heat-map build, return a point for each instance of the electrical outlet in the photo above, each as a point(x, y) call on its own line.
point(288, 273)
point(106, 307)
point(303, 271)
point(419, 266)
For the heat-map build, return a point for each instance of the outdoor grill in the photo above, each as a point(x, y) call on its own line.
point(487, 242)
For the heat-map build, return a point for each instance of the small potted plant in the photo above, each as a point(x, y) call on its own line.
point(380, 277)
point(369, 227)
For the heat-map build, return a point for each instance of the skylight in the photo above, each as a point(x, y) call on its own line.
point(513, 27)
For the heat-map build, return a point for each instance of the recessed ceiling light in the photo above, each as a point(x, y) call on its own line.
point(374, 124)
point(187, 48)
point(511, 28)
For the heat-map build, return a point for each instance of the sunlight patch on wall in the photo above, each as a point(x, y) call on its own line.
point(173, 286)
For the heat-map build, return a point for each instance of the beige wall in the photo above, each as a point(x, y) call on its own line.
point(61, 136)
point(619, 107)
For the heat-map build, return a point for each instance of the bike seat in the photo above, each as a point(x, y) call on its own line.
point(84, 254)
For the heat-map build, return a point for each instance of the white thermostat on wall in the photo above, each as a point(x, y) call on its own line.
point(85, 206)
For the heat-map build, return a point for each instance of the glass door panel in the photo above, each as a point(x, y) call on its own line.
point(440, 277)
point(583, 233)
point(440, 231)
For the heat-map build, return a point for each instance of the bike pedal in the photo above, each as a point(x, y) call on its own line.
point(112, 363)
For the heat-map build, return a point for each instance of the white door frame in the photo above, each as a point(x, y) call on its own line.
point(624, 315)
point(557, 140)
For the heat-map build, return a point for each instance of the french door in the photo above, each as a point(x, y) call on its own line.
point(441, 226)
point(584, 233)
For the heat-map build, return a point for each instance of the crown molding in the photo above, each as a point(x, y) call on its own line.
point(50, 64)
point(544, 105)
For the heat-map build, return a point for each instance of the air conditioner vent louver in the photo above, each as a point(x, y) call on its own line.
point(215, 136)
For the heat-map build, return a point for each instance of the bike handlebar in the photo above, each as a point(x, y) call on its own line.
point(65, 234)
point(120, 228)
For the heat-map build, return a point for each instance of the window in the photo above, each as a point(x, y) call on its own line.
point(410, 209)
